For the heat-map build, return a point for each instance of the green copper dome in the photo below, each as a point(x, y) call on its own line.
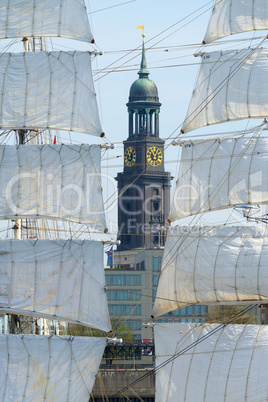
point(143, 89)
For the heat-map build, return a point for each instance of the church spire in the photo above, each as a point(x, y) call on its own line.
point(143, 73)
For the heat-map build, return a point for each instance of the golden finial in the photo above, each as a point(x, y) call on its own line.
point(141, 27)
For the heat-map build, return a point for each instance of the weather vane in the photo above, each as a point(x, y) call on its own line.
point(141, 27)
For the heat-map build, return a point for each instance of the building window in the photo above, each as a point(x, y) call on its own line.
point(156, 263)
point(140, 266)
point(156, 206)
point(124, 309)
point(122, 280)
point(133, 325)
point(133, 295)
point(155, 191)
point(155, 239)
point(155, 280)
point(153, 294)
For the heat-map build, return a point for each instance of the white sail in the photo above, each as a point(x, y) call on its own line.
point(231, 86)
point(230, 365)
point(60, 18)
point(55, 279)
point(232, 17)
point(48, 90)
point(213, 266)
point(52, 181)
point(35, 368)
point(221, 173)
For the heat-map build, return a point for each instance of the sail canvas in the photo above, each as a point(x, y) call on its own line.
point(59, 18)
point(229, 365)
point(36, 368)
point(55, 279)
point(48, 90)
point(221, 173)
point(213, 265)
point(232, 17)
point(52, 181)
point(231, 85)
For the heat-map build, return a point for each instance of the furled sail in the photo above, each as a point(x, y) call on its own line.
point(60, 18)
point(231, 85)
point(213, 266)
point(232, 17)
point(35, 368)
point(48, 90)
point(52, 181)
point(230, 365)
point(221, 173)
point(55, 279)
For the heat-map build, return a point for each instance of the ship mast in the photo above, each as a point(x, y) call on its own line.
point(15, 320)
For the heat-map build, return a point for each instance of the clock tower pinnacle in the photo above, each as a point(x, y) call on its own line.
point(143, 186)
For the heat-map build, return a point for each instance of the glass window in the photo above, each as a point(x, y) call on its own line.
point(155, 280)
point(156, 206)
point(107, 280)
point(204, 309)
point(124, 295)
point(133, 325)
point(155, 239)
point(125, 309)
point(138, 295)
point(121, 280)
point(156, 263)
point(154, 294)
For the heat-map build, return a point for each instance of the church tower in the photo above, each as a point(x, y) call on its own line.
point(143, 186)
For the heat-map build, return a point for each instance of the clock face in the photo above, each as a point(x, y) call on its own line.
point(154, 156)
point(130, 156)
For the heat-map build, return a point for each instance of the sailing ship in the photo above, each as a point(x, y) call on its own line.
point(53, 278)
point(219, 264)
